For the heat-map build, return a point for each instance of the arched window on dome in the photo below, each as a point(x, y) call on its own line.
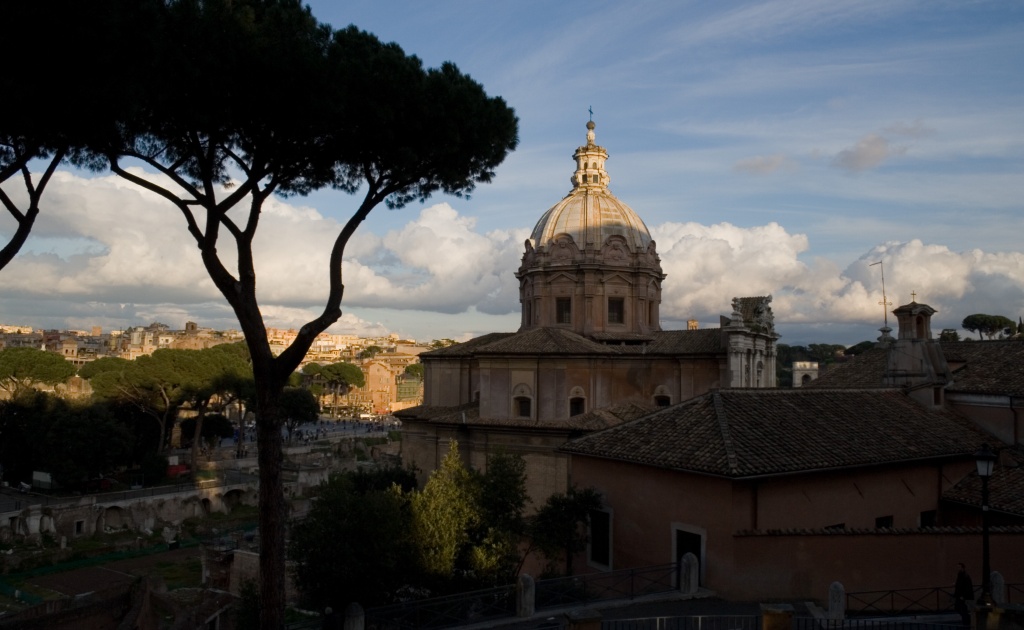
point(522, 401)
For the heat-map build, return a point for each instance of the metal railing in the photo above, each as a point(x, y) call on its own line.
point(701, 622)
point(938, 599)
point(624, 584)
point(810, 623)
point(906, 601)
point(445, 612)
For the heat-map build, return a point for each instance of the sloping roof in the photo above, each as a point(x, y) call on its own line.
point(593, 420)
point(863, 371)
point(466, 348)
point(749, 433)
point(562, 341)
point(1006, 485)
point(544, 341)
point(990, 367)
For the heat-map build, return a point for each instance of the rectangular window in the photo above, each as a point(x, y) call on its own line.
point(523, 407)
point(883, 522)
point(600, 551)
point(928, 518)
point(563, 310)
point(616, 311)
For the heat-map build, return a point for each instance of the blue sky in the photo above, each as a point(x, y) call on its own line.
point(771, 147)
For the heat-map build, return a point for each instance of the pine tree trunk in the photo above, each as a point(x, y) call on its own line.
point(273, 512)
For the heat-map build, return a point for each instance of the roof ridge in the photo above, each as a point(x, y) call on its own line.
point(723, 425)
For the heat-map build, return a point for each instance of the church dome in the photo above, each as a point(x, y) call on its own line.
point(591, 214)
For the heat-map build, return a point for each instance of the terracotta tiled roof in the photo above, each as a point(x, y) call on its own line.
point(989, 367)
point(985, 367)
point(544, 341)
point(466, 348)
point(863, 371)
point(674, 342)
point(562, 341)
point(746, 433)
point(593, 420)
point(1005, 486)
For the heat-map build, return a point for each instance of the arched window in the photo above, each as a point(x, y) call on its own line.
point(522, 401)
point(662, 401)
point(577, 405)
point(805, 379)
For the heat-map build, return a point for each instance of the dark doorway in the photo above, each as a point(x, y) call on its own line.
point(688, 542)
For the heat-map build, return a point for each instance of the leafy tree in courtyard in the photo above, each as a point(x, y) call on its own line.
point(559, 529)
point(415, 370)
point(355, 545)
point(25, 368)
point(496, 557)
point(260, 91)
point(442, 515)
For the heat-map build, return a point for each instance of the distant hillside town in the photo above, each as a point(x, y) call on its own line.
point(384, 361)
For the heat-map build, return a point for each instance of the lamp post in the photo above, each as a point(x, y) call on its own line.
point(985, 458)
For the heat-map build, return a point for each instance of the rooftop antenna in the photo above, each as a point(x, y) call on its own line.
point(885, 303)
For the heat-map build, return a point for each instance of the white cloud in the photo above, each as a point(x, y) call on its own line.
point(123, 257)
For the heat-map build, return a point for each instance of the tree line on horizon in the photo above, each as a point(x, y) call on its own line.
point(137, 403)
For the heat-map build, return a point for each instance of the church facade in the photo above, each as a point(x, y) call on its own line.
point(590, 352)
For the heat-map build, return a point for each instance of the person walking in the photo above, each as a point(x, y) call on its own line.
point(963, 592)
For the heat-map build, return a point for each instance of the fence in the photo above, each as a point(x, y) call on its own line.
point(445, 612)
point(809, 623)
point(910, 601)
point(501, 602)
point(703, 622)
point(624, 584)
point(901, 602)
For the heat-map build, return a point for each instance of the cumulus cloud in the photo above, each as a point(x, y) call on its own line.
point(103, 242)
point(114, 256)
point(707, 266)
point(765, 164)
point(869, 152)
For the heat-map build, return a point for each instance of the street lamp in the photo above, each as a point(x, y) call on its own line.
point(985, 458)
